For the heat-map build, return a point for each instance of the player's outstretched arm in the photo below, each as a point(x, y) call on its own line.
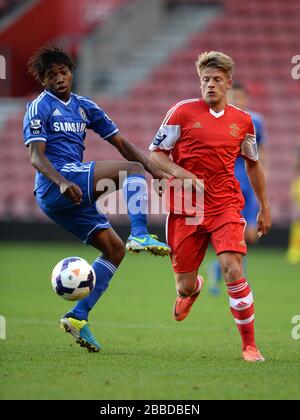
point(134, 154)
point(41, 163)
point(163, 162)
point(257, 178)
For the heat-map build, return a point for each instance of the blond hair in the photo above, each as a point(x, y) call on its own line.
point(217, 60)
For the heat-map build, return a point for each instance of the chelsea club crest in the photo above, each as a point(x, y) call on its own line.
point(82, 113)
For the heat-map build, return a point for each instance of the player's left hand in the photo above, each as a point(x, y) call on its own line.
point(264, 221)
point(71, 191)
point(160, 185)
point(160, 180)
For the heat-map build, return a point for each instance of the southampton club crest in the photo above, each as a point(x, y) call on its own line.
point(235, 130)
point(82, 113)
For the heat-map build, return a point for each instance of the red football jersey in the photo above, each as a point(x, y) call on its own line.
point(207, 144)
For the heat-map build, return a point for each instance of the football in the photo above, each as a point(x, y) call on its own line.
point(73, 278)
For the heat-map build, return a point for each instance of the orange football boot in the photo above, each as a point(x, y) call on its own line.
point(183, 306)
point(252, 354)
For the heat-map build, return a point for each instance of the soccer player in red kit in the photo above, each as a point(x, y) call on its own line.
point(200, 139)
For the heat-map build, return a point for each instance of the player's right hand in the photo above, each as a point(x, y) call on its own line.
point(71, 191)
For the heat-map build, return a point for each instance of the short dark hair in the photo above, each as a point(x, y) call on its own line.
point(44, 59)
point(240, 86)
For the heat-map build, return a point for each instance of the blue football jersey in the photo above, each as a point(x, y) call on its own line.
point(63, 126)
point(240, 170)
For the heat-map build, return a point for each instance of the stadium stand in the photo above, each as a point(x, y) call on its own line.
point(257, 35)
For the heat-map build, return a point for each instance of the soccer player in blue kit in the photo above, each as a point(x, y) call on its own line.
point(239, 97)
point(55, 127)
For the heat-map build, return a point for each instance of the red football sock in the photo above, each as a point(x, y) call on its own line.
point(242, 308)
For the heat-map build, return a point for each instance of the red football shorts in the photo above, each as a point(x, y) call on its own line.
point(225, 231)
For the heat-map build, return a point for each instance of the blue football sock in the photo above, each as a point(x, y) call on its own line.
point(104, 272)
point(217, 271)
point(135, 192)
point(215, 277)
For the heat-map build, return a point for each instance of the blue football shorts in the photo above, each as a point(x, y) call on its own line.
point(84, 220)
point(251, 208)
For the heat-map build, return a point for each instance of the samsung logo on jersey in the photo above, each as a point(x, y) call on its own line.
point(70, 127)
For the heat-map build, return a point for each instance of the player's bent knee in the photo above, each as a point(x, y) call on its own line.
point(185, 291)
point(234, 273)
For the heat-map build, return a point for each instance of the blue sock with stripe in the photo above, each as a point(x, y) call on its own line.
point(104, 272)
point(135, 192)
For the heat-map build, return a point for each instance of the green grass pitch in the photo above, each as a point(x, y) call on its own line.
point(145, 355)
